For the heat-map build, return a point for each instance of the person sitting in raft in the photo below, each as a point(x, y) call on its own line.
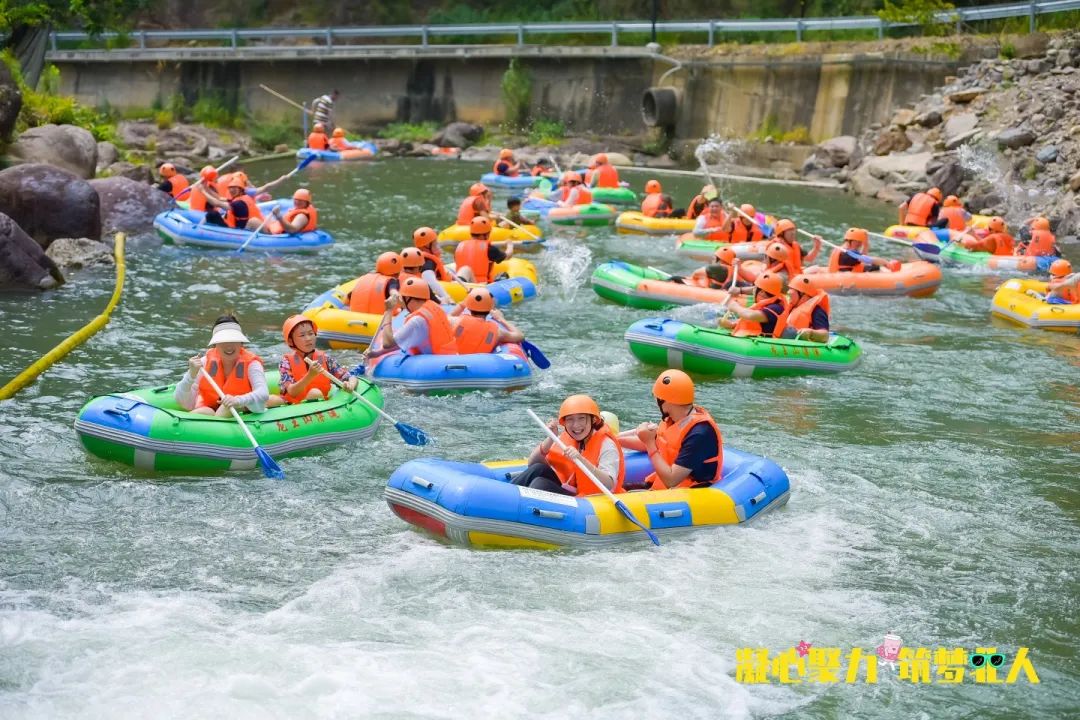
point(506, 165)
point(301, 218)
point(921, 209)
point(1064, 285)
point(714, 224)
point(725, 256)
point(317, 139)
point(371, 290)
point(746, 228)
point(767, 316)
point(953, 213)
point(172, 182)
point(338, 140)
point(513, 214)
point(236, 370)
point(542, 166)
point(478, 204)
point(857, 240)
point(786, 232)
point(241, 211)
point(808, 311)
point(686, 449)
point(654, 200)
point(589, 440)
point(573, 191)
point(1042, 241)
point(700, 203)
point(427, 329)
point(475, 258)
point(996, 242)
point(778, 259)
point(412, 265)
point(479, 327)
point(301, 381)
point(196, 194)
point(602, 173)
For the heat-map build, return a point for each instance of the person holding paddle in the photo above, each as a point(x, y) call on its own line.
point(232, 367)
point(714, 223)
point(305, 372)
point(1064, 285)
point(786, 232)
point(850, 257)
point(303, 217)
point(513, 214)
point(479, 327)
point(476, 257)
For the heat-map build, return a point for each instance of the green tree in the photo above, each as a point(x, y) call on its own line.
point(94, 16)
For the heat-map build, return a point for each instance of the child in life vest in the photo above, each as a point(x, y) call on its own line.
point(1064, 285)
point(301, 381)
point(513, 214)
point(236, 370)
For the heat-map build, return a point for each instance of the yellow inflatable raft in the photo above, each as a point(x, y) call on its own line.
point(1021, 302)
point(526, 235)
point(634, 222)
point(911, 232)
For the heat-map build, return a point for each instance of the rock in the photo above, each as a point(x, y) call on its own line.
point(894, 196)
point(966, 95)
point(948, 177)
point(903, 117)
point(138, 173)
point(1075, 131)
point(10, 102)
point(837, 151)
point(960, 124)
point(50, 203)
point(1074, 182)
point(129, 206)
point(1031, 45)
point(1036, 66)
point(213, 152)
point(65, 146)
point(181, 140)
point(390, 146)
point(892, 140)
point(617, 158)
point(1015, 138)
point(23, 264)
point(1062, 60)
point(874, 172)
point(929, 119)
point(78, 253)
point(1047, 154)
point(959, 140)
point(107, 154)
point(458, 134)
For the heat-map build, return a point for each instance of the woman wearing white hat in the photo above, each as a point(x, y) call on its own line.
point(236, 370)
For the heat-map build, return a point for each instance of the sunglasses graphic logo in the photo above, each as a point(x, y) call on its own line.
point(995, 660)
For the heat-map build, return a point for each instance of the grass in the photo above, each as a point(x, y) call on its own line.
point(409, 132)
point(270, 135)
point(546, 132)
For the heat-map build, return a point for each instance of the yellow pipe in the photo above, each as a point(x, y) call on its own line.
point(39, 366)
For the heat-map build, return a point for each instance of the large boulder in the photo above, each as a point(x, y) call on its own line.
point(50, 203)
point(874, 173)
point(78, 253)
point(948, 177)
point(23, 264)
point(107, 154)
point(65, 146)
point(10, 102)
point(891, 140)
point(458, 134)
point(138, 173)
point(959, 125)
point(129, 206)
point(837, 151)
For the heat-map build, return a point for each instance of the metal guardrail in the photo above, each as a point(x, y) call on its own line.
point(266, 37)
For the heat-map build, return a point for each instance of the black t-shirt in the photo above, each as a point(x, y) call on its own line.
point(240, 210)
point(700, 444)
point(772, 312)
point(495, 255)
point(819, 319)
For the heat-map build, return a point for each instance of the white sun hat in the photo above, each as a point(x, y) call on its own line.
point(227, 332)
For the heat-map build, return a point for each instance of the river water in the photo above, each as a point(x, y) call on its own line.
point(934, 496)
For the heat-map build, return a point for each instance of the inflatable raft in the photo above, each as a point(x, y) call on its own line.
point(954, 253)
point(506, 368)
point(911, 232)
point(147, 429)
point(614, 196)
point(705, 250)
point(591, 215)
point(633, 222)
point(526, 236)
point(186, 227)
point(476, 504)
point(914, 279)
point(1013, 303)
point(672, 343)
point(363, 150)
point(518, 182)
point(648, 289)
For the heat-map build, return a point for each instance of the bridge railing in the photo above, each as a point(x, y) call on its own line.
point(328, 37)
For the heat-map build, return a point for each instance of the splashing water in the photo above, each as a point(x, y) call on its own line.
point(984, 163)
point(566, 261)
point(718, 152)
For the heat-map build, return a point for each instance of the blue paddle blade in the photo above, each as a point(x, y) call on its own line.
point(928, 248)
point(535, 354)
point(269, 467)
point(305, 162)
point(630, 516)
point(412, 435)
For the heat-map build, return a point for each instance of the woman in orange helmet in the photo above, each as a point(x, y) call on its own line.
point(303, 381)
point(172, 182)
point(371, 290)
point(426, 330)
point(808, 313)
point(700, 202)
point(767, 316)
point(685, 448)
point(589, 440)
point(477, 204)
point(301, 218)
point(714, 224)
point(237, 371)
point(1064, 285)
point(571, 191)
point(996, 242)
point(479, 327)
point(506, 165)
point(475, 258)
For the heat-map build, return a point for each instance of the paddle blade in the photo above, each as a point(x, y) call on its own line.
point(305, 162)
point(927, 248)
point(630, 516)
point(269, 467)
point(535, 354)
point(412, 435)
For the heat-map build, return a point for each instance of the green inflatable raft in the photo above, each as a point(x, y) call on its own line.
point(674, 344)
point(614, 196)
point(146, 429)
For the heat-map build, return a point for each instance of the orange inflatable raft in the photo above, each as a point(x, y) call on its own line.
point(914, 279)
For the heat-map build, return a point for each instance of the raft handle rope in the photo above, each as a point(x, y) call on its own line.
point(30, 374)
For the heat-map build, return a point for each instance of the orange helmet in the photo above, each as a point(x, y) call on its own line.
point(802, 284)
point(235, 181)
point(783, 226)
point(748, 209)
point(339, 132)
point(726, 255)
point(674, 386)
point(424, 236)
point(412, 258)
point(771, 283)
point(318, 127)
point(935, 193)
point(302, 194)
point(952, 201)
point(506, 153)
point(578, 404)
point(389, 264)
point(479, 300)
point(857, 234)
point(478, 189)
point(167, 170)
point(571, 176)
point(653, 186)
point(777, 251)
point(1040, 223)
point(601, 158)
point(415, 287)
point(291, 324)
point(1060, 268)
point(480, 226)
point(996, 224)
point(208, 173)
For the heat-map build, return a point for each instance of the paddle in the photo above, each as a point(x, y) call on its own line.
point(883, 236)
point(269, 467)
point(300, 166)
point(765, 228)
point(535, 354)
point(279, 96)
point(255, 232)
point(411, 435)
point(610, 495)
point(200, 181)
point(514, 224)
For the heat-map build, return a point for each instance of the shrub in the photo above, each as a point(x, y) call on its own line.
point(799, 135)
point(163, 119)
point(270, 135)
point(210, 110)
point(1007, 52)
point(517, 95)
point(921, 12)
point(546, 132)
point(409, 132)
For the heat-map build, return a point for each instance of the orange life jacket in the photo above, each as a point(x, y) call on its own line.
point(469, 209)
point(474, 253)
point(495, 169)
point(606, 176)
point(568, 471)
point(669, 440)
point(999, 243)
point(538, 170)
point(741, 233)
point(312, 218)
point(369, 294)
point(794, 261)
point(238, 382)
point(476, 335)
point(920, 210)
point(178, 184)
point(440, 339)
point(253, 210)
point(834, 263)
point(1042, 242)
point(340, 144)
point(799, 317)
point(318, 141)
point(696, 207)
point(955, 215)
point(197, 199)
point(652, 204)
point(441, 273)
point(1069, 294)
point(719, 235)
point(298, 369)
point(584, 195)
point(747, 328)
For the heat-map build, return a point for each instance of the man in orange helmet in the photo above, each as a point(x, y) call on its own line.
point(921, 209)
point(478, 204)
point(1064, 285)
point(426, 330)
point(602, 173)
point(996, 242)
point(685, 448)
point(506, 165)
point(475, 258)
point(1042, 241)
point(767, 316)
point(172, 181)
point(371, 290)
point(479, 327)
point(653, 204)
point(301, 218)
point(714, 223)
